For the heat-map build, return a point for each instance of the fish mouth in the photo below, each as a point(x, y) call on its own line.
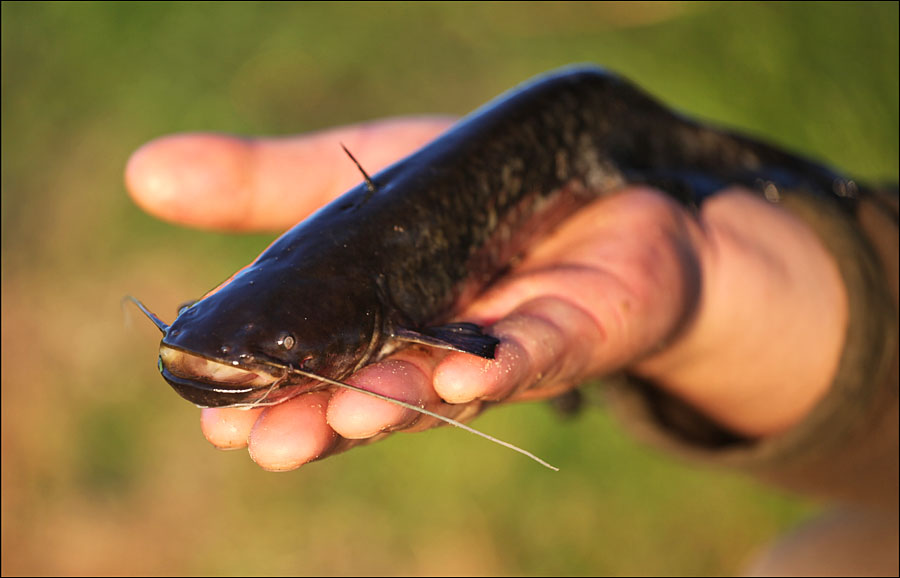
point(208, 382)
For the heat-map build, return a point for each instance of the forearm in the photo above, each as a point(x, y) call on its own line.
point(845, 446)
point(764, 340)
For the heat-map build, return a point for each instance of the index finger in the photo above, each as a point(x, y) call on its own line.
point(223, 182)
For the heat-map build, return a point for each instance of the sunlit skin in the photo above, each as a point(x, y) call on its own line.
point(739, 310)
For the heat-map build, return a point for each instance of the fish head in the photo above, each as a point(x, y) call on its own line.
point(241, 344)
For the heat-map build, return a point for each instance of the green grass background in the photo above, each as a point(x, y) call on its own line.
point(104, 470)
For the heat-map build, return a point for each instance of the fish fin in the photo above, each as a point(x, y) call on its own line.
point(464, 337)
point(370, 184)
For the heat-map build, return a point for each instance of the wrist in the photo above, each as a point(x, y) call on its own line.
point(768, 332)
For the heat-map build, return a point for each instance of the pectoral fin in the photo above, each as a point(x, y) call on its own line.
point(464, 337)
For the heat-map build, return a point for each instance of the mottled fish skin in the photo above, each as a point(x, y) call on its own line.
point(448, 220)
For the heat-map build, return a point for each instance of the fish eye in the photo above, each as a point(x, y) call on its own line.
point(287, 341)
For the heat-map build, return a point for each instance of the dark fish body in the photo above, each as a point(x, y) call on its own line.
point(375, 270)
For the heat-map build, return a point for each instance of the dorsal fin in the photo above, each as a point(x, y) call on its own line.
point(370, 184)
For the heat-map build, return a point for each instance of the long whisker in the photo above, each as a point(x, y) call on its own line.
point(421, 410)
point(272, 388)
point(150, 315)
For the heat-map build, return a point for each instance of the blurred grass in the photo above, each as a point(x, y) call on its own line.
point(104, 470)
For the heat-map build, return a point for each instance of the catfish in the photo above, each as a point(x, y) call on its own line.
point(395, 260)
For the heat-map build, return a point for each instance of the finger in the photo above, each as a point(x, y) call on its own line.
point(298, 431)
point(228, 428)
point(292, 433)
point(611, 285)
point(406, 376)
point(223, 182)
point(547, 341)
point(357, 416)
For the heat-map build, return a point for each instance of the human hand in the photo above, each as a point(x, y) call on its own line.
point(724, 309)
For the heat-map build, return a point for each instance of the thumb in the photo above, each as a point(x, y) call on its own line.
point(222, 182)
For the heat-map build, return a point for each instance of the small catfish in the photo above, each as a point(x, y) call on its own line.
point(397, 258)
